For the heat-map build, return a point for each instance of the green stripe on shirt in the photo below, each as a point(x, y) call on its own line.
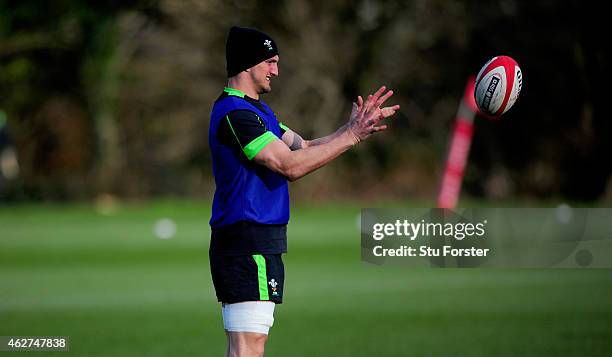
point(234, 92)
point(255, 146)
point(232, 128)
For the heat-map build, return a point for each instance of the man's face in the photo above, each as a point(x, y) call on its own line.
point(262, 74)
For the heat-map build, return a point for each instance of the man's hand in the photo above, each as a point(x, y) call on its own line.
point(278, 157)
point(366, 116)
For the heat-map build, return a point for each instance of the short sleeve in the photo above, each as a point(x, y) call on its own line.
point(283, 128)
point(245, 131)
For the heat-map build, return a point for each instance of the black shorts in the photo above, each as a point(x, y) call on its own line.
point(248, 277)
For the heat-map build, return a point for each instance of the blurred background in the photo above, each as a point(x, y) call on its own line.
point(113, 97)
point(106, 182)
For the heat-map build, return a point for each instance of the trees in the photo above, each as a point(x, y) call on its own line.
point(59, 74)
point(114, 96)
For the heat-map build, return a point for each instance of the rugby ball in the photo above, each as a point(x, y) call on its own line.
point(498, 85)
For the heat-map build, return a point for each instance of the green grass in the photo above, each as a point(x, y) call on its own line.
point(116, 290)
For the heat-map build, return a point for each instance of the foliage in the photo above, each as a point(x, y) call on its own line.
point(114, 96)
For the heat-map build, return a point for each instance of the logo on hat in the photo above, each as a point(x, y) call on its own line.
point(269, 44)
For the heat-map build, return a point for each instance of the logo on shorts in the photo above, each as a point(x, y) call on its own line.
point(274, 285)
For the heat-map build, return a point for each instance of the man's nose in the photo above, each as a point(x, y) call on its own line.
point(274, 70)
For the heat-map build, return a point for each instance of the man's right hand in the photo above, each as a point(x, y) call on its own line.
point(365, 116)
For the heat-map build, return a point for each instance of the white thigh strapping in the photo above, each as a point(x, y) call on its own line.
point(248, 316)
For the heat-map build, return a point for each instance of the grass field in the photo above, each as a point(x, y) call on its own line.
point(117, 290)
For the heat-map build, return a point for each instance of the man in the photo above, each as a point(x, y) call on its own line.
point(253, 157)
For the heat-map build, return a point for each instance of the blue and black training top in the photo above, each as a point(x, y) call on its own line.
point(251, 203)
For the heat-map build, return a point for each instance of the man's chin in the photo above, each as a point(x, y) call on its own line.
point(264, 87)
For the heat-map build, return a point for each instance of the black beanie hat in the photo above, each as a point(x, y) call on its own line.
point(247, 47)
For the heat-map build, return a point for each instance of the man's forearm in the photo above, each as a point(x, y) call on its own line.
point(304, 159)
point(295, 164)
point(307, 160)
point(325, 139)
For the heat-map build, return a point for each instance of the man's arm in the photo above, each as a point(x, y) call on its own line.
point(295, 142)
point(279, 157)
